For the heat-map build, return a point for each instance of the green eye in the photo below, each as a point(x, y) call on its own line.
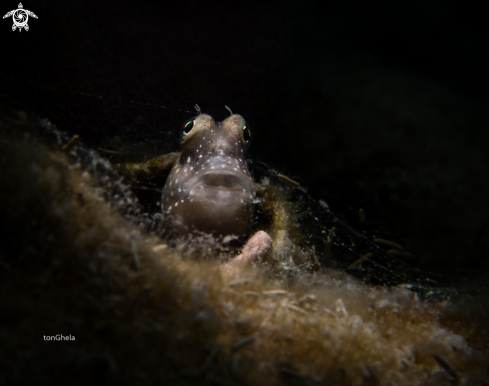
point(246, 134)
point(187, 128)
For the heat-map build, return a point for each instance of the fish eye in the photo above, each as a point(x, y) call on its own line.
point(246, 134)
point(187, 127)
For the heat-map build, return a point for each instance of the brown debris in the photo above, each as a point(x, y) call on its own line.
point(358, 263)
point(329, 241)
point(288, 180)
point(362, 215)
point(111, 152)
point(72, 142)
point(388, 243)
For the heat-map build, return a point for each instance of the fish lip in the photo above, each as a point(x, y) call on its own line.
point(239, 184)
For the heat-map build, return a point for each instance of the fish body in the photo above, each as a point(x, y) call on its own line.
point(210, 188)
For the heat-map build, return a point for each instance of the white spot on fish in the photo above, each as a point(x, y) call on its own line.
point(176, 204)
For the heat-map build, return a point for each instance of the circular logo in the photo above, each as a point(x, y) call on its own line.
point(20, 17)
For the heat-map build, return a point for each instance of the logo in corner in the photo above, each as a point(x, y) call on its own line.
point(20, 17)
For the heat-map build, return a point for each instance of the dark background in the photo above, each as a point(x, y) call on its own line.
point(380, 105)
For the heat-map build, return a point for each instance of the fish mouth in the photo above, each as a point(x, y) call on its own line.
point(223, 184)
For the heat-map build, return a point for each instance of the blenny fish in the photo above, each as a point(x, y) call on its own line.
point(210, 188)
